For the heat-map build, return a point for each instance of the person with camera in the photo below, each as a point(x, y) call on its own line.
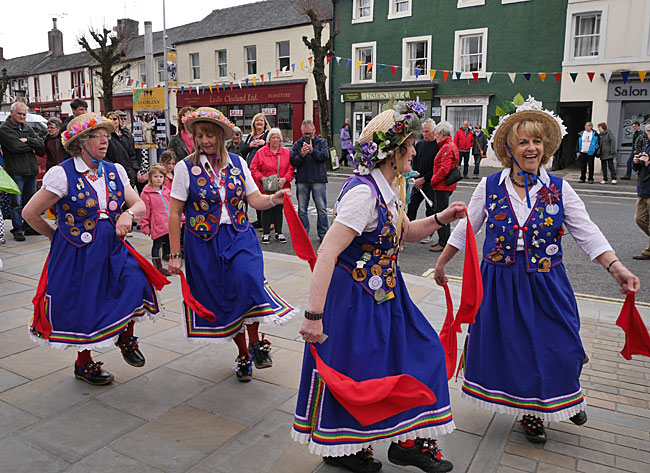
point(309, 156)
point(641, 164)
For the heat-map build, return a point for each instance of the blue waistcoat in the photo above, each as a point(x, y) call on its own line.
point(542, 230)
point(78, 212)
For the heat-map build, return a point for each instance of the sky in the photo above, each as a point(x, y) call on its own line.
point(28, 35)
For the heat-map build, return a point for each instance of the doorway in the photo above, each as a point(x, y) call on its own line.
point(361, 119)
point(575, 115)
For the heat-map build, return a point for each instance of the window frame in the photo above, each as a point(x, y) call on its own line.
point(575, 17)
point(393, 14)
point(219, 64)
point(470, 3)
point(355, 47)
point(55, 85)
point(288, 71)
point(37, 88)
point(458, 35)
point(194, 77)
point(506, 2)
point(160, 71)
point(406, 68)
point(78, 73)
point(355, 8)
point(247, 62)
point(142, 72)
point(577, 10)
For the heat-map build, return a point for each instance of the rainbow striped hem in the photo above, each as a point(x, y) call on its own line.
point(277, 311)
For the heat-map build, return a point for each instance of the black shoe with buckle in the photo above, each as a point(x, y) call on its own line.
point(533, 428)
point(424, 455)
point(244, 368)
point(580, 418)
point(131, 353)
point(93, 373)
point(360, 462)
point(261, 354)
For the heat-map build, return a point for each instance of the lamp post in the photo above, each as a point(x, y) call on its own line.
point(166, 85)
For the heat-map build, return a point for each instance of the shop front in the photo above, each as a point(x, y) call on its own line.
point(46, 109)
point(459, 108)
point(121, 103)
point(282, 103)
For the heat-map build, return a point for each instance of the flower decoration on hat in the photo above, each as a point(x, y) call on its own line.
point(215, 114)
point(385, 133)
point(81, 126)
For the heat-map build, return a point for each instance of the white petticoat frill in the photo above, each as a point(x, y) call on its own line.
point(556, 416)
point(350, 449)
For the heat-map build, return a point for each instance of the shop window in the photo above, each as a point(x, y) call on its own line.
point(236, 115)
point(469, 3)
point(456, 115)
point(632, 112)
point(142, 69)
point(284, 56)
point(251, 60)
point(195, 67)
point(362, 10)
point(416, 54)
point(399, 9)
point(222, 63)
point(160, 63)
point(363, 53)
point(470, 51)
point(586, 35)
point(285, 121)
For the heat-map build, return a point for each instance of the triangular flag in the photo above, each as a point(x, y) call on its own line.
point(328, 58)
point(190, 89)
point(558, 76)
point(445, 74)
point(458, 74)
point(218, 88)
point(302, 64)
point(311, 59)
point(254, 80)
point(293, 67)
point(262, 77)
point(607, 76)
point(625, 75)
point(347, 63)
point(182, 89)
point(574, 76)
point(338, 59)
point(239, 83)
point(642, 75)
point(246, 80)
point(198, 91)
point(475, 75)
point(527, 75)
point(381, 68)
point(231, 85)
point(512, 76)
point(203, 90)
point(488, 76)
point(269, 74)
point(394, 69)
point(368, 67)
point(357, 65)
point(432, 74)
point(418, 71)
point(637, 340)
point(542, 76)
point(210, 87)
point(591, 76)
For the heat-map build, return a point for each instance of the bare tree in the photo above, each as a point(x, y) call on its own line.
point(319, 14)
point(109, 54)
point(4, 83)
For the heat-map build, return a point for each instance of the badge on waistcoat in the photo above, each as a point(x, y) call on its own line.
point(196, 170)
point(201, 181)
point(235, 171)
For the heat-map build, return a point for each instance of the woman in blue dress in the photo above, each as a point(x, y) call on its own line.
point(358, 298)
point(224, 265)
point(94, 289)
point(528, 323)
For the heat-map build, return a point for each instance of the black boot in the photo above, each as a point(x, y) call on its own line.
point(243, 368)
point(580, 418)
point(93, 373)
point(130, 350)
point(360, 462)
point(533, 428)
point(261, 354)
point(424, 455)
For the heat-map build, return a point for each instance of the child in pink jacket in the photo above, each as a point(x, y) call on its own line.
point(156, 197)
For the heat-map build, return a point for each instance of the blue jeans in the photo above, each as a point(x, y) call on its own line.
point(27, 187)
point(628, 169)
point(318, 193)
point(477, 162)
point(463, 157)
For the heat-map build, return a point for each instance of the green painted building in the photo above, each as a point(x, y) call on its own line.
point(388, 48)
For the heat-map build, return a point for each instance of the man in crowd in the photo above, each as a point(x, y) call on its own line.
point(79, 107)
point(425, 152)
point(636, 126)
point(19, 143)
point(641, 164)
point(479, 148)
point(233, 146)
point(309, 156)
point(464, 141)
point(587, 144)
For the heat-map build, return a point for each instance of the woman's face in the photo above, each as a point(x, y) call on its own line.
point(440, 137)
point(97, 143)
point(259, 124)
point(274, 141)
point(169, 167)
point(528, 151)
point(116, 121)
point(157, 179)
point(52, 129)
point(407, 151)
point(207, 141)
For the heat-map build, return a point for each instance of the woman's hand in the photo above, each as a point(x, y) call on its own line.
point(439, 275)
point(142, 177)
point(455, 211)
point(123, 224)
point(311, 330)
point(278, 197)
point(175, 265)
point(282, 181)
point(624, 277)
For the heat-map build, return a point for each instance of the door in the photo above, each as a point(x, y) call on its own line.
point(361, 119)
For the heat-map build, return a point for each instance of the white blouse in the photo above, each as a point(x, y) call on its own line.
point(56, 181)
point(585, 232)
point(181, 184)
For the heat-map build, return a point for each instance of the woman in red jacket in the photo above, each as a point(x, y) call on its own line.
point(444, 162)
point(269, 160)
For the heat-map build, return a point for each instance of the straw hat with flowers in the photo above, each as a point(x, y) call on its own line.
point(85, 124)
point(210, 115)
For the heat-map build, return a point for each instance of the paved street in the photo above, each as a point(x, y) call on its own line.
point(185, 411)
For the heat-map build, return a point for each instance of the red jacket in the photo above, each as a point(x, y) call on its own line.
point(445, 161)
point(464, 140)
point(156, 219)
point(265, 163)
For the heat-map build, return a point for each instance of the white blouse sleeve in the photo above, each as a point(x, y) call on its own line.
point(124, 177)
point(181, 183)
point(251, 186)
point(477, 217)
point(585, 232)
point(357, 209)
point(56, 181)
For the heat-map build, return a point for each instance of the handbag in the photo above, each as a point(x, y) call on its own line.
point(270, 184)
point(454, 176)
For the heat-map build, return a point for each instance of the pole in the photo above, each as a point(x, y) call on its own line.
point(166, 77)
point(149, 70)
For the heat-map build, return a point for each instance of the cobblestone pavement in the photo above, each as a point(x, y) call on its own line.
point(185, 411)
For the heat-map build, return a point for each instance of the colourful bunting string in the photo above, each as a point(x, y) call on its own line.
point(574, 76)
point(329, 58)
point(512, 76)
point(394, 69)
point(302, 65)
point(591, 76)
point(432, 74)
point(558, 76)
point(527, 75)
point(458, 74)
point(445, 74)
point(311, 59)
point(488, 76)
point(542, 76)
point(368, 67)
point(418, 71)
point(642, 75)
point(348, 61)
point(625, 75)
point(475, 75)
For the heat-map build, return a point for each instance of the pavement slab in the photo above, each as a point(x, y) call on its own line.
point(106, 460)
point(19, 456)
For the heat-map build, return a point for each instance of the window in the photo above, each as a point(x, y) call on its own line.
point(251, 59)
point(505, 2)
point(127, 74)
point(195, 66)
point(586, 35)
point(55, 86)
point(222, 63)
point(78, 83)
point(458, 108)
point(470, 51)
point(142, 69)
point(469, 3)
point(365, 54)
point(399, 9)
point(160, 63)
point(416, 54)
point(37, 88)
point(284, 58)
point(362, 11)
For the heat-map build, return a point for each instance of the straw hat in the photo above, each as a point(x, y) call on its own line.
point(84, 124)
point(552, 131)
point(382, 122)
point(210, 115)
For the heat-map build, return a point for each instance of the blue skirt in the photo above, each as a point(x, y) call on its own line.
point(367, 340)
point(226, 275)
point(94, 291)
point(524, 353)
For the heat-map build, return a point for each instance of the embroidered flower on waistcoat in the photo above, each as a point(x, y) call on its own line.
point(549, 197)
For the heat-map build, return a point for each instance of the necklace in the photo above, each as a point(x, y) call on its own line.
point(523, 186)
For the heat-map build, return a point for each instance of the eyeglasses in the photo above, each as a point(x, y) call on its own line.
point(101, 136)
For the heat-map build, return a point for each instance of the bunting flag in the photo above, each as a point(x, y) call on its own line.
point(302, 65)
point(432, 74)
point(268, 74)
point(642, 75)
point(445, 74)
point(637, 340)
point(328, 58)
point(277, 73)
point(381, 68)
point(254, 81)
point(311, 59)
point(475, 75)
point(347, 63)
point(218, 88)
point(394, 69)
point(458, 74)
point(625, 75)
point(558, 76)
point(338, 60)
point(542, 76)
point(488, 76)
point(418, 71)
point(231, 85)
point(574, 76)
point(246, 80)
point(182, 89)
point(239, 83)
point(527, 75)
point(293, 67)
point(357, 65)
point(591, 76)
point(368, 67)
point(512, 76)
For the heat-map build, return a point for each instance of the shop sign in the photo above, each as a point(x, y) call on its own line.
point(388, 95)
point(629, 91)
point(148, 118)
point(236, 113)
point(269, 111)
point(172, 69)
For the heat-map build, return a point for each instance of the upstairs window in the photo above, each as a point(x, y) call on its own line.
point(362, 10)
point(251, 60)
point(222, 63)
point(284, 56)
point(195, 66)
point(586, 35)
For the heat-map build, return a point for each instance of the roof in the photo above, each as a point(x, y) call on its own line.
point(23, 65)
